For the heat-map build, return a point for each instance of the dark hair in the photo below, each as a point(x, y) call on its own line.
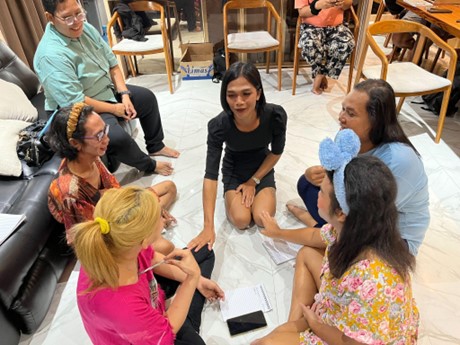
point(251, 74)
point(372, 222)
point(50, 5)
point(57, 134)
point(381, 109)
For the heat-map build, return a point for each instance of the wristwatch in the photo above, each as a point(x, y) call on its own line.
point(126, 92)
point(256, 180)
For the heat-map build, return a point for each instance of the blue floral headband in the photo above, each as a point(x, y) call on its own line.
point(335, 155)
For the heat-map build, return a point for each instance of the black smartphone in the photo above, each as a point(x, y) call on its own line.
point(438, 10)
point(247, 322)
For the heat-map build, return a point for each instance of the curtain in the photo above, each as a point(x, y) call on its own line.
point(22, 23)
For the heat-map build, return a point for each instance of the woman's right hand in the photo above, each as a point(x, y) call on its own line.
point(315, 174)
point(207, 236)
point(184, 259)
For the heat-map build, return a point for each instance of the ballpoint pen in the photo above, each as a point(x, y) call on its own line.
point(151, 267)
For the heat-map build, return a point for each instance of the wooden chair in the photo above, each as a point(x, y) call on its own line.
point(407, 78)
point(254, 41)
point(155, 43)
point(351, 14)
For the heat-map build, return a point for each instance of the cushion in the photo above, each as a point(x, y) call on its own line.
point(9, 134)
point(14, 104)
point(154, 42)
point(251, 40)
point(407, 77)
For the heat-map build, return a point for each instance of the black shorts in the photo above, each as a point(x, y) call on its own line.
point(232, 183)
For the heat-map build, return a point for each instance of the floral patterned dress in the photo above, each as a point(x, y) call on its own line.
point(370, 302)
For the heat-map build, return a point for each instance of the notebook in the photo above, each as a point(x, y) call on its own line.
point(8, 224)
point(244, 300)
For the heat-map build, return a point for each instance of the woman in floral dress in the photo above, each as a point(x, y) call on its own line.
point(365, 293)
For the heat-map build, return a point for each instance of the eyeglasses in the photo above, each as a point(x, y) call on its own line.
point(70, 20)
point(99, 136)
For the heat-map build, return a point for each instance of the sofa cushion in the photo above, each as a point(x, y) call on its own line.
point(14, 104)
point(9, 134)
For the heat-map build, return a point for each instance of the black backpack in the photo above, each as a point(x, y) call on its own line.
point(218, 63)
point(433, 101)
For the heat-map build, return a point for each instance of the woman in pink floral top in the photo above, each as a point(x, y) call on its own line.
point(365, 294)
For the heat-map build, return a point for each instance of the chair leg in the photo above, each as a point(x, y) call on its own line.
point(227, 58)
point(296, 70)
point(435, 60)
point(380, 11)
point(351, 69)
point(267, 63)
point(280, 75)
point(387, 41)
point(400, 104)
point(442, 115)
point(169, 67)
point(131, 66)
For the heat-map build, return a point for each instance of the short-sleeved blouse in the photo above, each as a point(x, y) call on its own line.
point(369, 303)
point(71, 199)
point(131, 314)
point(244, 151)
point(329, 17)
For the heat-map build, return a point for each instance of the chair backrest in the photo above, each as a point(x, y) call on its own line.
point(137, 6)
point(404, 26)
point(252, 4)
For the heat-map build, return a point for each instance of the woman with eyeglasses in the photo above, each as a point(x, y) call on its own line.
point(80, 137)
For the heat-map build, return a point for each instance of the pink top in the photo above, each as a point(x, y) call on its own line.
point(330, 17)
point(131, 314)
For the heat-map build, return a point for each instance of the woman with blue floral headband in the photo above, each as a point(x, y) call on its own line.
point(370, 111)
point(365, 293)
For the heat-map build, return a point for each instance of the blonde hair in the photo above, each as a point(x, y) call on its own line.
point(132, 214)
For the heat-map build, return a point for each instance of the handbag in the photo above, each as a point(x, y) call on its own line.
point(31, 147)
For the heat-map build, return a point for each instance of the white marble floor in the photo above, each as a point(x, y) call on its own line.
point(240, 258)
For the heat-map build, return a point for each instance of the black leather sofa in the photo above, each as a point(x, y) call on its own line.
point(33, 258)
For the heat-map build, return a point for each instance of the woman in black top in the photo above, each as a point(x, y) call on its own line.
point(247, 126)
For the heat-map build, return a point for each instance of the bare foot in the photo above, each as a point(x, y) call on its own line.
point(317, 84)
point(164, 168)
point(167, 152)
point(324, 84)
point(301, 214)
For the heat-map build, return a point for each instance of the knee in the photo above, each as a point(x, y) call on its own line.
point(171, 189)
point(163, 246)
point(258, 218)
point(302, 184)
point(241, 221)
point(303, 254)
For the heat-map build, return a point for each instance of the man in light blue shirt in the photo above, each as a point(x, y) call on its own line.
point(74, 64)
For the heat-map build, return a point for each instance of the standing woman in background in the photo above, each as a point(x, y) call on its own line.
point(248, 126)
point(325, 41)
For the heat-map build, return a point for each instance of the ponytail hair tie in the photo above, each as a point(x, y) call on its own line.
point(334, 156)
point(105, 227)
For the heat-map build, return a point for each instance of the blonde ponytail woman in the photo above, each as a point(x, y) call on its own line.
point(120, 287)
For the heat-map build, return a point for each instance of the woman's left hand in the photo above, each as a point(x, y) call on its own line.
point(129, 107)
point(210, 290)
point(248, 193)
point(312, 314)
